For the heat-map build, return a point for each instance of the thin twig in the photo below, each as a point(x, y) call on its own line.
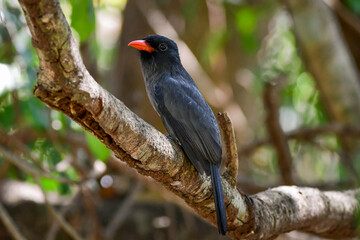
point(35, 173)
point(10, 224)
point(62, 222)
point(22, 147)
point(306, 133)
point(338, 90)
point(231, 162)
point(51, 234)
point(30, 169)
point(123, 211)
point(152, 154)
point(344, 13)
point(91, 210)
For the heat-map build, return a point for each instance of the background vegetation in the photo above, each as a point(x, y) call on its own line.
point(246, 59)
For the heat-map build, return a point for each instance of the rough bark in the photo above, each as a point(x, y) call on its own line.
point(65, 85)
point(306, 209)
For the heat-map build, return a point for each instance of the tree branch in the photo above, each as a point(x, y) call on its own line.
point(232, 161)
point(309, 210)
point(65, 85)
point(10, 224)
point(271, 103)
point(307, 133)
point(329, 60)
point(350, 27)
point(123, 211)
point(58, 217)
point(30, 169)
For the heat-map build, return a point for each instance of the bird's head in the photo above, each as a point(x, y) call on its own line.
point(156, 50)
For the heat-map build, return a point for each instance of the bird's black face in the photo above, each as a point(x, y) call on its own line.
point(157, 50)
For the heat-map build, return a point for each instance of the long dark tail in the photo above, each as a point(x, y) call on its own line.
point(219, 201)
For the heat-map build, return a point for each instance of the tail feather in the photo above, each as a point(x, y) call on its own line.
point(219, 201)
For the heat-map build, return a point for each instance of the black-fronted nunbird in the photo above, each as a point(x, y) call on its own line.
point(186, 115)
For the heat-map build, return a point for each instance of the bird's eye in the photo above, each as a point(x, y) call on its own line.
point(163, 47)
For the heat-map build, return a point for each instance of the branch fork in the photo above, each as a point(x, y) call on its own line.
point(65, 85)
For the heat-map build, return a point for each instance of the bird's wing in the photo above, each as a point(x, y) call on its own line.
point(187, 116)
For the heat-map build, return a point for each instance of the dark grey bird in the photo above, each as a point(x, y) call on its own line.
point(186, 115)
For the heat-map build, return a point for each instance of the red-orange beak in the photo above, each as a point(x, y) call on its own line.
point(141, 45)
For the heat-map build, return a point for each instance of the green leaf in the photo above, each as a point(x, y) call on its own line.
point(246, 23)
point(353, 5)
point(35, 113)
point(7, 117)
point(50, 185)
point(7, 49)
point(97, 148)
point(64, 188)
point(47, 152)
point(83, 18)
point(246, 20)
point(71, 173)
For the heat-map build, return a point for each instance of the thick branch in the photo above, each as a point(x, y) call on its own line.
point(64, 84)
point(324, 213)
point(271, 103)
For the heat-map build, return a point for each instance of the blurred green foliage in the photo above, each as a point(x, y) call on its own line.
point(83, 18)
point(265, 48)
point(213, 45)
point(353, 6)
point(277, 57)
point(300, 106)
point(246, 23)
point(21, 111)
